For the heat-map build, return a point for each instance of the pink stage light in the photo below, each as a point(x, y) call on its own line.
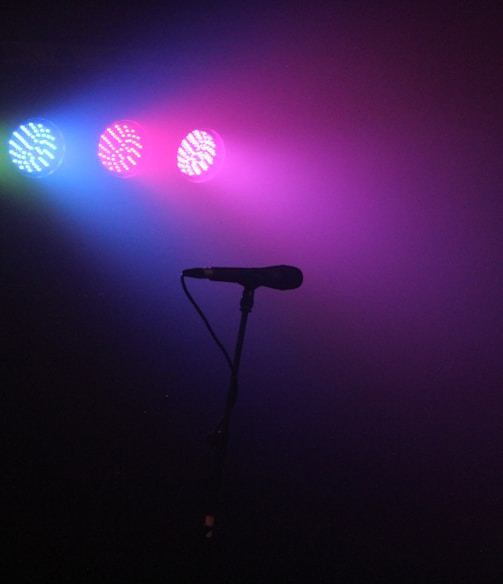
point(121, 148)
point(200, 155)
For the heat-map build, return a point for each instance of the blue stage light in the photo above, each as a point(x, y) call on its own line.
point(36, 148)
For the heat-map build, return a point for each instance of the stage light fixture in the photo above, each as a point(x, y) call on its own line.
point(200, 155)
point(121, 148)
point(36, 148)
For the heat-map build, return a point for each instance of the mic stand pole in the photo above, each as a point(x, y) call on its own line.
point(219, 439)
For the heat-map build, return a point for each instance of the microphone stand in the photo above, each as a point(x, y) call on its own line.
point(219, 439)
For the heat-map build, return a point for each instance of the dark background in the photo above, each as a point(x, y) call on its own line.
point(364, 146)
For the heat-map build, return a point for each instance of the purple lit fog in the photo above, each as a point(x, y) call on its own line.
point(363, 146)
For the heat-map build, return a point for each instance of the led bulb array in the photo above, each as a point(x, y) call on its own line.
point(37, 148)
point(121, 150)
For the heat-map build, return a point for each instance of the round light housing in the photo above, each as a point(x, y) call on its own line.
point(121, 148)
point(200, 155)
point(36, 148)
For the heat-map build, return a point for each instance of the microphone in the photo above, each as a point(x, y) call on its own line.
point(277, 277)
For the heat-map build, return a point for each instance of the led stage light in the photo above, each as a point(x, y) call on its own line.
point(121, 148)
point(200, 155)
point(36, 148)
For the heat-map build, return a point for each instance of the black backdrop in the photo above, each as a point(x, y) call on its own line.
point(358, 453)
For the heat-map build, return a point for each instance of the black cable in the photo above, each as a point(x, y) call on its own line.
point(206, 322)
point(222, 422)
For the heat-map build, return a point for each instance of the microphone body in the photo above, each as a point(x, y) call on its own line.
point(277, 277)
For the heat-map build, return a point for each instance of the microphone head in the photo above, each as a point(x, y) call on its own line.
point(277, 277)
point(283, 277)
